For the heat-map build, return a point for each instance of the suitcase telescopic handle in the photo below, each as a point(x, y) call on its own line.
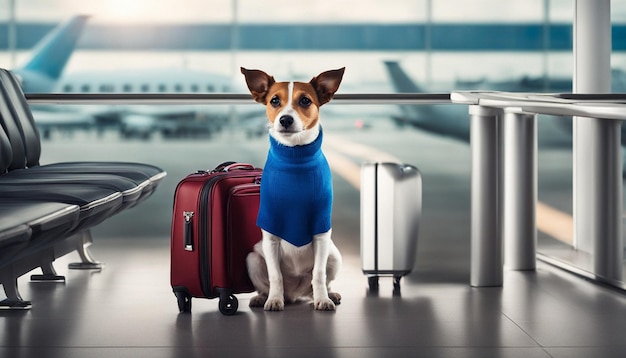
point(188, 230)
point(230, 166)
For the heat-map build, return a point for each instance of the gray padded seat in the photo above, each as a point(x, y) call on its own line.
point(29, 225)
point(145, 175)
point(16, 173)
point(12, 233)
point(96, 204)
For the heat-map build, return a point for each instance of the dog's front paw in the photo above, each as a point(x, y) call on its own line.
point(335, 297)
point(258, 300)
point(324, 304)
point(274, 304)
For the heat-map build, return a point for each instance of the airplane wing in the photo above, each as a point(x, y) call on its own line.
point(143, 122)
point(47, 121)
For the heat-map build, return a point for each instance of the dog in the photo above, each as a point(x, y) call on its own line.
point(296, 257)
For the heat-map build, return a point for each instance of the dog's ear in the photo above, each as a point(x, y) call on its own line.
point(326, 84)
point(258, 83)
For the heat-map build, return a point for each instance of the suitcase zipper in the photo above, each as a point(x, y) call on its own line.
point(203, 238)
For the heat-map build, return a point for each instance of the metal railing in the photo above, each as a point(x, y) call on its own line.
point(505, 123)
point(225, 98)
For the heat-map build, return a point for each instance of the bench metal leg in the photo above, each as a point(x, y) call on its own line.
point(49, 273)
point(14, 300)
point(82, 247)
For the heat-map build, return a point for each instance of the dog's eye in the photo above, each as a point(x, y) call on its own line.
point(275, 101)
point(305, 101)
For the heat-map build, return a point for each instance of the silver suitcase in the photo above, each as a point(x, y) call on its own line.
point(391, 206)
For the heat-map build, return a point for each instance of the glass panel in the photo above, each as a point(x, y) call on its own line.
point(390, 46)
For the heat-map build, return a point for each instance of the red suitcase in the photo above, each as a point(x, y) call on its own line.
point(213, 230)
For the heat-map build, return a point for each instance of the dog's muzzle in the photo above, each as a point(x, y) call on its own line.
point(286, 121)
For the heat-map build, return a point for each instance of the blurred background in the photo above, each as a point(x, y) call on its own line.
point(197, 46)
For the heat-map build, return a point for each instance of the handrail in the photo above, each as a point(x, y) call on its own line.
point(589, 105)
point(224, 98)
point(607, 106)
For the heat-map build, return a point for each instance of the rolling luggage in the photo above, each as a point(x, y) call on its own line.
point(213, 230)
point(391, 205)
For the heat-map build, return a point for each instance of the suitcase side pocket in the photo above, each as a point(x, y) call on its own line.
point(243, 234)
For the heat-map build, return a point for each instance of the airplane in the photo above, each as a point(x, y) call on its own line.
point(138, 121)
point(43, 72)
point(453, 120)
point(44, 67)
point(50, 55)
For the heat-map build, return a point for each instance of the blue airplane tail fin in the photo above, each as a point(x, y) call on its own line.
point(400, 80)
point(430, 118)
point(51, 54)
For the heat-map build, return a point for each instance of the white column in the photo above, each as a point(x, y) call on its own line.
point(519, 226)
point(597, 152)
point(486, 238)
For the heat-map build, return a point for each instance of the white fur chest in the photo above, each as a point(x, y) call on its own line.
point(296, 261)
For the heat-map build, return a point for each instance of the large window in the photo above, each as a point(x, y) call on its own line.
point(149, 46)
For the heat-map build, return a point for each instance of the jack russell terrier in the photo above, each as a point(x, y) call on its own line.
point(296, 257)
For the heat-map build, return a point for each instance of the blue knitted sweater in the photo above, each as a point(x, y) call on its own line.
point(296, 192)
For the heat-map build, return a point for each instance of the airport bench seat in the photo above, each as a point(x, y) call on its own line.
point(17, 172)
point(97, 191)
point(27, 228)
point(136, 181)
point(130, 191)
point(25, 247)
point(24, 136)
point(95, 203)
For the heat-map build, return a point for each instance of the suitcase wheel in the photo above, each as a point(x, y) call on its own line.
point(372, 281)
point(396, 284)
point(228, 305)
point(184, 301)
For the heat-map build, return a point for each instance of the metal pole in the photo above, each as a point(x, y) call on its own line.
point(608, 249)
point(234, 42)
point(519, 189)
point(428, 43)
point(597, 151)
point(546, 44)
point(12, 33)
point(486, 239)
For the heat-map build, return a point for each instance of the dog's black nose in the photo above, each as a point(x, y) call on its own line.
point(286, 121)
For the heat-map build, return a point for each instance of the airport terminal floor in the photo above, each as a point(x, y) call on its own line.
point(127, 309)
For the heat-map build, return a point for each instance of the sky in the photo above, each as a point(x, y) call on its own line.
point(289, 11)
point(444, 66)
